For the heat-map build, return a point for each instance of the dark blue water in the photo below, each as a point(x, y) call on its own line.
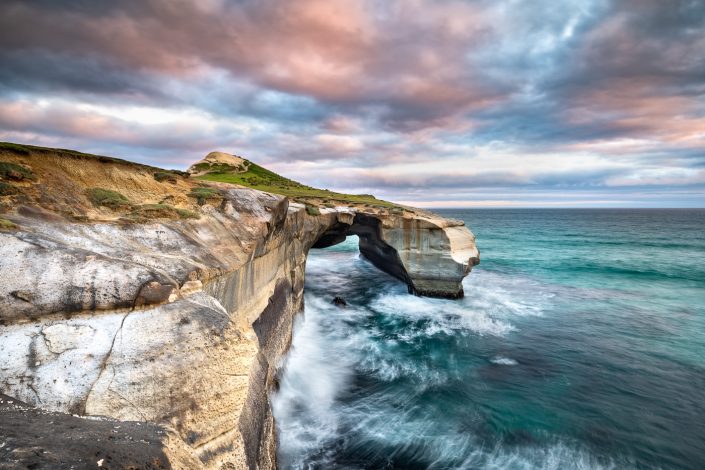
point(580, 344)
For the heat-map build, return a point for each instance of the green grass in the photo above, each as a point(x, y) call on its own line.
point(7, 225)
point(161, 211)
point(186, 214)
point(167, 176)
point(26, 150)
point(220, 167)
point(14, 148)
point(107, 198)
point(217, 167)
point(312, 210)
point(257, 177)
point(204, 194)
point(7, 189)
point(203, 166)
point(13, 171)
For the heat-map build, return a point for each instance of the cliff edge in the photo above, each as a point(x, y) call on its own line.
point(145, 295)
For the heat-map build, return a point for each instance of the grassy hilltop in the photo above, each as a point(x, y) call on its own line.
point(254, 176)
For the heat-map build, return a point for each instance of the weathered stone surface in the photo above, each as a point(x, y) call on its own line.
point(436, 253)
point(183, 323)
point(431, 254)
point(37, 439)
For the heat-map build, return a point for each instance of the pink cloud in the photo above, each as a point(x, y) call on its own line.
point(333, 50)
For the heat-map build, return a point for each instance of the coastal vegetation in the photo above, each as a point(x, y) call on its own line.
point(7, 189)
point(168, 176)
point(7, 225)
point(312, 210)
point(25, 149)
point(96, 187)
point(160, 211)
point(15, 172)
point(254, 176)
point(203, 194)
point(84, 187)
point(107, 198)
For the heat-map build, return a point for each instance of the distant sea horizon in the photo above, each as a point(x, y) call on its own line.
point(450, 208)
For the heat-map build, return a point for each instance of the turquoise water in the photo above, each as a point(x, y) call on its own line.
point(580, 344)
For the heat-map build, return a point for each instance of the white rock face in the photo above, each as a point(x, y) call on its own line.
point(436, 253)
point(431, 254)
point(183, 323)
point(46, 368)
point(61, 337)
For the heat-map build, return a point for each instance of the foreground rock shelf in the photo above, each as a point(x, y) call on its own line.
point(182, 323)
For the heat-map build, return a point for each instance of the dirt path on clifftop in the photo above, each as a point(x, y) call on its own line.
point(35, 439)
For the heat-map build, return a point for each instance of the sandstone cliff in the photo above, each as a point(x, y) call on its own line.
point(177, 315)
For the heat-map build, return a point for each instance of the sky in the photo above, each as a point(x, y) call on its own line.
point(475, 103)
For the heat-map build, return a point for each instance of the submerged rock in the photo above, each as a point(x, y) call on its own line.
point(339, 301)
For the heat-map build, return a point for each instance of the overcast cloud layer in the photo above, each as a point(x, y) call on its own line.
point(433, 103)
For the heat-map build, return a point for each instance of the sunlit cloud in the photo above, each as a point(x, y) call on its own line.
point(436, 103)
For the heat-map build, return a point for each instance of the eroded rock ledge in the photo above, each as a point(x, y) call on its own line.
point(182, 323)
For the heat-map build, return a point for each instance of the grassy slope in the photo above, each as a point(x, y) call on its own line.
point(24, 149)
point(255, 177)
point(260, 178)
point(86, 187)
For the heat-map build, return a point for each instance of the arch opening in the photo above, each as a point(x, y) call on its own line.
point(371, 245)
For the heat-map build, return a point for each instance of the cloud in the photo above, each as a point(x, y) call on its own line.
point(334, 51)
point(382, 96)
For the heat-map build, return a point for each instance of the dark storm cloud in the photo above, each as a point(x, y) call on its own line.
point(38, 71)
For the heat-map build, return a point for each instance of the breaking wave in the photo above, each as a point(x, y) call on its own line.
point(357, 387)
point(579, 345)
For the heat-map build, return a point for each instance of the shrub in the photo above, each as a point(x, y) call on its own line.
point(187, 214)
point(222, 168)
point(7, 225)
point(162, 211)
point(107, 198)
point(203, 194)
point(15, 148)
point(13, 171)
point(202, 166)
point(162, 176)
point(7, 189)
point(312, 210)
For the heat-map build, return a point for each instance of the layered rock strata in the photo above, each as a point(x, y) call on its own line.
point(182, 324)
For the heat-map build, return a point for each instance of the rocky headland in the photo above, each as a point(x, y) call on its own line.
point(162, 302)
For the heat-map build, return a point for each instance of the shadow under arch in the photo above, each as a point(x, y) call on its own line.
point(371, 245)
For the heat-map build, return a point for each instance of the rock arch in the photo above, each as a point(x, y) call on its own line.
point(431, 255)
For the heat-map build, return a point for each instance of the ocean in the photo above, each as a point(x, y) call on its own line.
point(580, 344)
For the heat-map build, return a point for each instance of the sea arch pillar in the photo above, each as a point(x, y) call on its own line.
point(431, 255)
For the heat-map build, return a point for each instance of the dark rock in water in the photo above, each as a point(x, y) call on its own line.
point(340, 302)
